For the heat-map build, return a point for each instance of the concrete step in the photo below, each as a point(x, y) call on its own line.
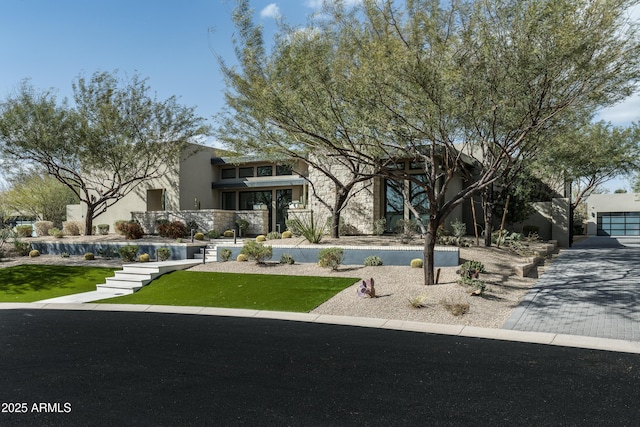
point(126, 283)
point(133, 277)
point(122, 288)
point(135, 269)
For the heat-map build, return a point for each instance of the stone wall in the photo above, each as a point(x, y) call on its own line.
point(207, 219)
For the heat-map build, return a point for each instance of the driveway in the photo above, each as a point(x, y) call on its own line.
point(591, 289)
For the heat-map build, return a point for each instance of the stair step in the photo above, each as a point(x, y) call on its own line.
point(136, 269)
point(115, 291)
point(116, 283)
point(133, 277)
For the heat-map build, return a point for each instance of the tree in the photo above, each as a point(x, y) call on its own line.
point(445, 84)
point(115, 137)
point(39, 196)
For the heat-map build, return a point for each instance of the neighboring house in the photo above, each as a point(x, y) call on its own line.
point(214, 190)
point(613, 214)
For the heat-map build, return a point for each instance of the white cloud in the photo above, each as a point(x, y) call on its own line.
point(271, 11)
point(624, 113)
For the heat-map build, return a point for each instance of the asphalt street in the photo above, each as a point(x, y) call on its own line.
point(116, 368)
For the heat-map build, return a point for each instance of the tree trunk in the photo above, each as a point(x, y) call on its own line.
point(487, 202)
point(429, 252)
point(335, 224)
point(88, 221)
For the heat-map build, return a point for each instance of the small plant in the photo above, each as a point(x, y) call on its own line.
point(144, 258)
point(419, 301)
point(43, 227)
point(373, 261)
point(163, 254)
point(379, 226)
point(213, 234)
point(308, 228)
point(330, 258)
point(24, 230)
point(257, 251)
point(64, 254)
point(173, 229)
point(132, 231)
point(128, 253)
point(454, 307)
point(287, 259)
point(243, 226)
point(287, 234)
point(471, 269)
point(406, 229)
point(198, 236)
point(242, 258)
point(34, 253)
point(103, 229)
point(22, 248)
point(261, 238)
point(479, 286)
point(72, 228)
point(416, 263)
point(273, 235)
point(56, 232)
point(459, 229)
point(119, 225)
point(107, 253)
point(89, 256)
point(225, 254)
point(229, 233)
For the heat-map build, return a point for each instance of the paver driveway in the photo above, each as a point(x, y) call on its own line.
point(592, 289)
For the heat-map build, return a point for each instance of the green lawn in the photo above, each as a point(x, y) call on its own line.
point(28, 283)
point(230, 290)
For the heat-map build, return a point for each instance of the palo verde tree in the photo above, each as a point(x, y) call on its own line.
point(115, 136)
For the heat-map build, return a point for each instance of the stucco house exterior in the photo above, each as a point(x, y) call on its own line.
point(613, 214)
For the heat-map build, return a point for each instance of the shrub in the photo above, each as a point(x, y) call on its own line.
point(330, 258)
point(89, 256)
point(407, 228)
point(103, 229)
point(287, 234)
point(198, 236)
point(228, 233)
point(72, 228)
point(22, 248)
point(273, 235)
point(416, 263)
point(24, 230)
point(242, 258)
point(107, 253)
point(120, 224)
point(43, 227)
point(192, 225)
point(459, 229)
point(311, 230)
point(243, 226)
point(261, 238)
point(379, 226)
point(163, 254)
point(455, 308)
point(56, 232)
point(225, 254)
point(132, 231)
point(128, 253)
point(257, 251)
point(173, 229)
point(64, 255)
point(287, 259)
point(373, 261)
point(213, 234)
point(144, 258)
point(471, 269)
point(34, 253)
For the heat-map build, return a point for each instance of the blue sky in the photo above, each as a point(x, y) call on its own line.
point(51, 42)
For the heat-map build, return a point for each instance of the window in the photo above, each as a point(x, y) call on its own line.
point(246, 172)
point(229, 173)
point(229, 201)
point(265, 170)
point(284, 170)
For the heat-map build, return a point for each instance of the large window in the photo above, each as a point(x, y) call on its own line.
point(395, 208)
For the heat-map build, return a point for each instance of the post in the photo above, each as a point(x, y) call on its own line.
point(475, 223)
point(504, 216)
point(234, 236)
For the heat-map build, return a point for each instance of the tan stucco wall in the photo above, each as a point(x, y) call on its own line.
point(195, 177)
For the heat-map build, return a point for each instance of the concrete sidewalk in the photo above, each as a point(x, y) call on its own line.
point(592, 289)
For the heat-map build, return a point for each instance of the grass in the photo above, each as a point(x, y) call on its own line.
point(231, 290)
point(28, 283)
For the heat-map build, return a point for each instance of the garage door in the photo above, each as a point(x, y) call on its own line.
point(619, 224)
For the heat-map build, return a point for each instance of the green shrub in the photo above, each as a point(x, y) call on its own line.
point(242, 258)
point(56, 232)
point(119, 225)
point(128, 253)
point(379, 226)
point(273, 235)
point(287, 259)
point(163, 254)
point(261, 238)
point(144, 258)
point(471, 269)
point(308, 228)
point(34, 253)
point(24, 230)
point(256, 251)
point(243, 226)
point(225, 254)
point(22, 248)
point(173, 229)
point(228, 233)
point(416, 263)
point(132, 231)
point(459, 229)
point(198, 236)
point(64, 255)
point(213, 234)
point(330, 258)
point(43, 227)
point(287, 234)
point(373, 261)
point(89, 256)
point(103, 229)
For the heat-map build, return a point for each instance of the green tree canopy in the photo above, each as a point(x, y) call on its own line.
point(115, 136)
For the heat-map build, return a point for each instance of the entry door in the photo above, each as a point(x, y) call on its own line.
point(283, 198)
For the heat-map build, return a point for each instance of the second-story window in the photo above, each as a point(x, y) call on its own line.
point(265, 170)
point(246, 172)
point(284, 170)
point(228, 173)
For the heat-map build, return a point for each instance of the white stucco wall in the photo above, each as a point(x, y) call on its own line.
point(621, 202)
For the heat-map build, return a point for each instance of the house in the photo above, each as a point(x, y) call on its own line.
point(613, 214)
